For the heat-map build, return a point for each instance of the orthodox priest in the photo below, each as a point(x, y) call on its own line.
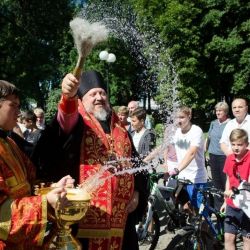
point(91, 134)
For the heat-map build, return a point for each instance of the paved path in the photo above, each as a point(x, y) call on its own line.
point(165, 236)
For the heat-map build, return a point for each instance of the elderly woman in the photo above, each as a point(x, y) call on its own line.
point(216, 156)
point(123, 113)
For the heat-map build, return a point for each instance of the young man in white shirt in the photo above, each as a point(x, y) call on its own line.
point(188, 141)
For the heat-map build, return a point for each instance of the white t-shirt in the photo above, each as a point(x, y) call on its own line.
point(137, 137)
point(233, 124)
point(22, 127)
point(195, 171)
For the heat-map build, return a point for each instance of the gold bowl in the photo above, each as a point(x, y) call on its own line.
point(65, 216)
point(78, 205)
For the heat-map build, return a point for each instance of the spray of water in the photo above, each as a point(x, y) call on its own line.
point(91, 184)
point(146, 47)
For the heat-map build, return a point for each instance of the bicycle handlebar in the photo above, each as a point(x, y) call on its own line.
point(205, 190)
point(211, 190)
point(245, 187)
point(183, 181)
point(156, 176)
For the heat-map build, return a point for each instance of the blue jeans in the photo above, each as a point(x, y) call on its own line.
point(195, 196)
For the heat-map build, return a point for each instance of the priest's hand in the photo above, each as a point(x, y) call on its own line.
point(134, 202)
point(66, 181)
point(70, 86)
point(57, 195)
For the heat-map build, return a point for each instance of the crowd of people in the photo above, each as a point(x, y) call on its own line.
point(86, 134)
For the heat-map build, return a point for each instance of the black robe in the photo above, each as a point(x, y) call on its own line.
point(58, 154)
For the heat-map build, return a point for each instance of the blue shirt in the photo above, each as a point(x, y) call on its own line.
point(214, 135)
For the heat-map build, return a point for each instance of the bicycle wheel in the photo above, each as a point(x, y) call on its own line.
point(185, 239)
point(150, 241)
point(208, 239)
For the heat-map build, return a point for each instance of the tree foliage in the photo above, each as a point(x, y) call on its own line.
point(32, 35)
point(206, 42)
point(125, 76)
point(209, 43)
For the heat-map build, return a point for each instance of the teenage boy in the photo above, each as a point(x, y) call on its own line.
point(23, 218)
point(237, 168)
point(143, 139)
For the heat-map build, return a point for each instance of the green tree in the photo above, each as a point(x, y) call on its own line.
point(208, 42)
point(125, 75)
point(32, 34)
point(52, 103)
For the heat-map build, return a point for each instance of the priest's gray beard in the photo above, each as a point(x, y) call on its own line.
point(101, 115)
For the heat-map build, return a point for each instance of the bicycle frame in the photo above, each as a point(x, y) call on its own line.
point(203, 232)
point(218, 229)
point(150, 211)
point(206, 210)
point(155, 196)
point(157, 202)
point(204, 215)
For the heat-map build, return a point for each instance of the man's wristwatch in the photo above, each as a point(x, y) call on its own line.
point(176, 170)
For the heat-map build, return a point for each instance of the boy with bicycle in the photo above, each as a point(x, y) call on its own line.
point(237, 169)
point(188, 142)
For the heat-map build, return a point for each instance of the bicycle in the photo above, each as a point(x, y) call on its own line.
point(206, 231)
point(160, 199)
